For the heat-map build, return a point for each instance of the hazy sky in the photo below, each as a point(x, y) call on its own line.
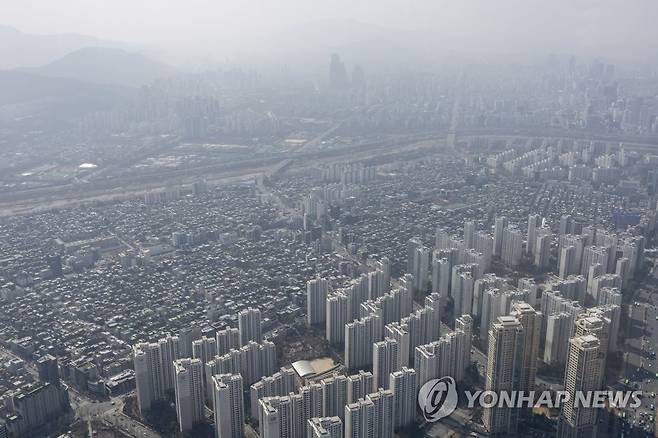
point(625, 26)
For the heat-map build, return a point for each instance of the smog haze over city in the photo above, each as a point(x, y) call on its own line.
point(328, 219)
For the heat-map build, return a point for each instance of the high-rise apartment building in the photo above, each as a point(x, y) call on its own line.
point(504, 359)
point(227, 339)
point(534, 222)
point(316, 301)
point(249, 325)
point(228, 405)
point(461, 288)
point(338, 314)
point(371, 417)
point(280, 383)
point(403, 383)
point(325, 427)
point(499, 227)
point(359, 385)
point(530, 319)
point(188, 378)
point(386, 359)
point(154, 371)
point(359, 337)
point(512, 247)
point(582, 373)
point(334, 396)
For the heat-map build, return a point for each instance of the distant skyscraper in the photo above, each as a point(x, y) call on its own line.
point(188, 378)
point(598, 283)
point(249, 324)
point(337, 73)
point(228, 405)
point(633, 250)
point(358, 78)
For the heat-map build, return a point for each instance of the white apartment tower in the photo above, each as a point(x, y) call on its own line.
point(582, 373)
point(189, 392)
point(316, 301)
point(228, 405)
point(386, 359)
point(227, 339)
point(505, 355)
point(512, 248)
point(530, 319)
point(338, 314)
point(325, 427)
point(154, 371)
point(403, 383)
point(249, 325)
point(499, 227)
